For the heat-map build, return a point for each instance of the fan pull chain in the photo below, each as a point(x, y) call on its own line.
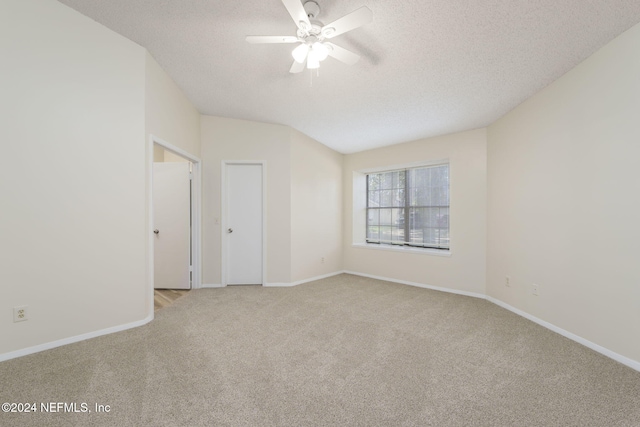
point(311, 76)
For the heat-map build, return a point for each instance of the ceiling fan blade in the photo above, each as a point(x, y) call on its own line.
point(349, 22)
point(297, 67)
point(297, 12)
point(271, 39)
point(342, 54)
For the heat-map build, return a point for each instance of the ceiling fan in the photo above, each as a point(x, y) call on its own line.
point(312, 35)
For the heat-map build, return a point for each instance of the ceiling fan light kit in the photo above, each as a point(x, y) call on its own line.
point(313, 62)
point(320, 50)
point(300, 52)
point(312, 33)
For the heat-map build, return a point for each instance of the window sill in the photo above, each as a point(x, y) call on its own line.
point(426, 251)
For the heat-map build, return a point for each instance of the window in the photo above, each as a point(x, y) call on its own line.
point(409, 207)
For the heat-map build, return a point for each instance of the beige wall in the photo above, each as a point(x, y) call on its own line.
point(170, 157)
point(228, 139)
point(170, 116)
point(304, 198)
point(564, 202)
point(72, 175)
point(464, 270)
point(316, 208)
point(160, 155)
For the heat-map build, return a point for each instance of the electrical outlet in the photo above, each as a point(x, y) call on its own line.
point(507, 281)
point(20, 314)
point(322, 260)
point(534, 289)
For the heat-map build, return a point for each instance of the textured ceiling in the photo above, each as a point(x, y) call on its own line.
point(428, 67)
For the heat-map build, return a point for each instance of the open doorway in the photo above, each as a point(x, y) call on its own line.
point(174, 223)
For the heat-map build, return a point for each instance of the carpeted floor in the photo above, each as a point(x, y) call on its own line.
point(341, 351)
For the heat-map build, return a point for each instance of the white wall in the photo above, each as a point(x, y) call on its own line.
point(229, 139)
point(564, 200)
point(464, 270)
point(316, 208)
point(72, 175)
point(169, 114)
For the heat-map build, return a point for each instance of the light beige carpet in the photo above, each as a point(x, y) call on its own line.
point(340, 351)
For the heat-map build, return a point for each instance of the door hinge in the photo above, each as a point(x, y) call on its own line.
point(191, 268)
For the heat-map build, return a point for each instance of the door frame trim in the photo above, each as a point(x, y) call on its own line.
point(224, 215)
point(196, 217)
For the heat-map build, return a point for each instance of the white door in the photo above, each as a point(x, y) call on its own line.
point(171, 216)
point(244, 224)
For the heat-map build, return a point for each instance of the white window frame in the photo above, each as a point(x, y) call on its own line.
point(359, 197)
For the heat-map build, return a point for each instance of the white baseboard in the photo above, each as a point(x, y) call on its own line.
point(419, 285)
point(282, 284)
point(211, 285)
point(593, 346)
point(300, 282)
point(633, 364)
point(53, 344)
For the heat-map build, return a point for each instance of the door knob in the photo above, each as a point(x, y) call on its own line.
point(230, 230)
point(156, 231)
